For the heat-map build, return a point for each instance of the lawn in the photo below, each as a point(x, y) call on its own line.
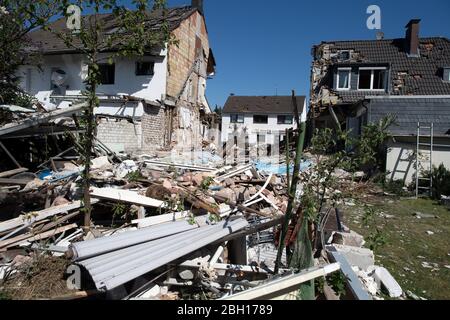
point(416, 258)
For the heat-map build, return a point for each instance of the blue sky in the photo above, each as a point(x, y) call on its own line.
point(263, 47)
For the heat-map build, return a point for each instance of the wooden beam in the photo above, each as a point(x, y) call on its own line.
point(126, 196)
point(31, 238)
point(40, 215)
point(284, 285)
point(10, 155)
point(6, 174)
point(40, 119)
point(18, 182)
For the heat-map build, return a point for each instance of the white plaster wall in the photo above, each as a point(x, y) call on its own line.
point(404, 155)
point(153, 88)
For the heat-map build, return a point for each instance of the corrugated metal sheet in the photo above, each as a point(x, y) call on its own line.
point(113, 269)
point(91, 248)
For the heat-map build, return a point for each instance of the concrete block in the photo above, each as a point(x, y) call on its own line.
point(351, 239)
point(385, 280)
point(360, 257)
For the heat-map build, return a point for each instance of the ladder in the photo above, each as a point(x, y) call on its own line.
point(429, 145)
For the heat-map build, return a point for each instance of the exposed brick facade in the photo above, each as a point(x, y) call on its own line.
point(161, 127)
point(154, 125)
point(120, 133)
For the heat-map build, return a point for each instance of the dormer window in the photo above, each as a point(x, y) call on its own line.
point(344, 78)
point(373, 78)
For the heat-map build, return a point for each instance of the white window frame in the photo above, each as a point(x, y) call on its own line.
point(349, 79)
point(448, 74)
point(238, 117)
point(372, 77)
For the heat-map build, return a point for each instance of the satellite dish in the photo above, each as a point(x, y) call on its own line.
point(59, 77)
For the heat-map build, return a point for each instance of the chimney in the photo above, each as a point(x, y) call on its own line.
point(412, 38)
point(380, 35)
point(198, 4)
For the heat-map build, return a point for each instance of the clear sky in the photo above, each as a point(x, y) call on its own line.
point(263, 47)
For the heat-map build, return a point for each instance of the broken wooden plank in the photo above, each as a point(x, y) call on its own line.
point(10, 173)
point(234, 172)
point(126, 196)
point(284, 285)
point(18, 182)
point(179, 166)
point(37, 230)
point(35, 216)
point(151, 221)
point(10, 155)
point(40, 119)
point(41, 236)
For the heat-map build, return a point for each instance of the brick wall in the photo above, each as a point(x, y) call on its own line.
point(154, 127)
point(120, 133)
point(182, 57)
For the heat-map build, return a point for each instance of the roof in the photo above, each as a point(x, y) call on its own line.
point(416, 76)
point(262, 104)
point(411, 110)
point(49, 43)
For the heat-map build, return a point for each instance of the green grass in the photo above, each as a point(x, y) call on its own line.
point(407, 243)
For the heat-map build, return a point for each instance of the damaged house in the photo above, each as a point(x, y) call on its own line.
point(259, 121)
point(358, 82)
point(150, 103)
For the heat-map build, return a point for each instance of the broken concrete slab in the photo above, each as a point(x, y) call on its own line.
point(384, 279)
point(351, 239)
point(100, 163)
point(360, 257)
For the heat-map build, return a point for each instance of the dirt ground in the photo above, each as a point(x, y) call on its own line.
point(39, 278)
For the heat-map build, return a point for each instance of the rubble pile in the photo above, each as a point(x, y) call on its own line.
point(165, 229)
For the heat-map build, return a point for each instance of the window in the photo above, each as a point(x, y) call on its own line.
point(237, 118)
point(145, 68)
point(285, 119)
point(446, 74)
point(343, 78)
point(344, 55)
point(261, 119)
point(261, 139)
point(107, 73)
point(372, 79)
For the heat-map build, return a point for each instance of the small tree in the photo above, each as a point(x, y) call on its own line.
point(17, 19)
point(125, 33)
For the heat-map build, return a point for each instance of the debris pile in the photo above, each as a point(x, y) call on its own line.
point(169, 226)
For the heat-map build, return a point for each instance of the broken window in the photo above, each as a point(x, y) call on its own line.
point(285, 119)
point(237, 118)
point(344, 55)
point(372, 79)
point(343, 78)
point(107, 73)
point(261, 119)
point(145, 68)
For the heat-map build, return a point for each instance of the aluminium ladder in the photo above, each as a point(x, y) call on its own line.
point(427, 145)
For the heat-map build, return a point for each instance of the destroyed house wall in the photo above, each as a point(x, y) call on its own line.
point(155, 127)
point(188, 60)
point(407, 76)
point(120, 134)
point(126, 82)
